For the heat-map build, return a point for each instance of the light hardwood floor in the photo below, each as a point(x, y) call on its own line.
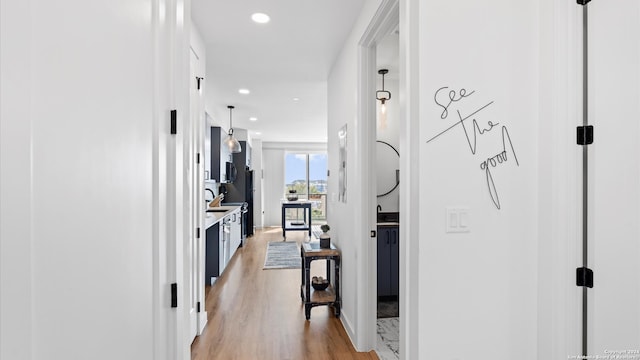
point(258, 314)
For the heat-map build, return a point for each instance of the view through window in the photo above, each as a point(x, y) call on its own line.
point(306, 179)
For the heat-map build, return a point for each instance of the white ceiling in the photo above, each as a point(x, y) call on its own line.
point(290, 57)
point(388, 56)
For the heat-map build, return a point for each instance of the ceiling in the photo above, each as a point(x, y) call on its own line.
point(388, 56)
point(289, 57)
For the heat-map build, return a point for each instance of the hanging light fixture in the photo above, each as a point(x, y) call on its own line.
point(231, 142)
point(383, 95)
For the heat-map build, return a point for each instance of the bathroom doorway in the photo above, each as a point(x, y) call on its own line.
point(387, 167)
point(380, 129)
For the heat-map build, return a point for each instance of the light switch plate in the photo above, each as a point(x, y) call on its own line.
point(457, 219)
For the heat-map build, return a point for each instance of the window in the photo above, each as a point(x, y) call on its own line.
point(306, 178)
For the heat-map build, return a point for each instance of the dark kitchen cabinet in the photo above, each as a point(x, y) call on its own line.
point(388, 260)
point(219, 155)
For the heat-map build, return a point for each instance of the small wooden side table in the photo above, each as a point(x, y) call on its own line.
point(331, 296)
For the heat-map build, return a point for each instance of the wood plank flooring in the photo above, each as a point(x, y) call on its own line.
point(258, 314)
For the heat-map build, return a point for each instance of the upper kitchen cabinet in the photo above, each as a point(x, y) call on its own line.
point(219, 155)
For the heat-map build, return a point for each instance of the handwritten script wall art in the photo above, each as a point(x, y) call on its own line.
point(452, 103)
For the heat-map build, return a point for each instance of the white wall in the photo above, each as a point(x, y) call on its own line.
point(615, 176)
point(16, 197)
point(506, 289)
point(342, 103)
point(389, 133)
point(476, 288)
point(82, 106)
point(388, 125)
point(273, 168)
point(258, 183)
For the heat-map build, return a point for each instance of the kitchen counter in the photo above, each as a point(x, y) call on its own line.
point(211, 218)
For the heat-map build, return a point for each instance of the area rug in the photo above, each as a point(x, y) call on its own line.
point(282, 255)
point(388, 308)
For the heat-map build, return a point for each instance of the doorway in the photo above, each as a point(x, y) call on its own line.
point(387, 168)
point(385, 23)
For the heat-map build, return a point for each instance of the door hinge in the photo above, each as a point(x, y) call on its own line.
point(174, 295)
point(585, 135)
point(198, 158)
point(174, 122)
point(199, 79)
point(583, 2)
point(198, 306)
point(197, 233)
point(584, 277)
point(373, 233)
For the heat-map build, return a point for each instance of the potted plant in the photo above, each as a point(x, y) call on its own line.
point(325, 238)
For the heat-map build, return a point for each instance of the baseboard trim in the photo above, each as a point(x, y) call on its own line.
point(346, 324)
point(203, 321)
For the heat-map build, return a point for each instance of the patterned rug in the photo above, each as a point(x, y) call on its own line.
point(282, 255)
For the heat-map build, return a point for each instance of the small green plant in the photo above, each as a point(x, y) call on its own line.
point(325, 228)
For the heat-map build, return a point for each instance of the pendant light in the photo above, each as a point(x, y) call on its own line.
point(383, 95)
point(231, 142)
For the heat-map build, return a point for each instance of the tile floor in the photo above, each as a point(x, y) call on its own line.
point(388, 344)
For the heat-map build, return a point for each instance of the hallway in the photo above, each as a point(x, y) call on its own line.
point(257, 314)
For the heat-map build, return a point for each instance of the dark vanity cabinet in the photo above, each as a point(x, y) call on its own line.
point(388, 260)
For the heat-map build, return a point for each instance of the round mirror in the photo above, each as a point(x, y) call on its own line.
point(387, 168)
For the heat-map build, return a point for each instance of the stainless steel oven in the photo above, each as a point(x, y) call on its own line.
point(244, 217)
point(225, 243)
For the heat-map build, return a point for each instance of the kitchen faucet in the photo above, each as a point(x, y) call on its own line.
point(212, 193)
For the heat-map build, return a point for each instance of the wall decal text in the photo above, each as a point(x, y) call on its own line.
point(447, 100)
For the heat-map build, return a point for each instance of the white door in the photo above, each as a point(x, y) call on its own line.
point(193, 194)
point(614, 177)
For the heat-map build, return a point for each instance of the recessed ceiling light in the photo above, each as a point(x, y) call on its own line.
point(244, 91)
point(253, 118)
point(260, 18)
point(296, 99)
point(258, 133)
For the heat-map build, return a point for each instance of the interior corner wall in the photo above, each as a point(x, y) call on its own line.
point(273, 185)
point(342, 100)
point(477, 289)
point(257, 161)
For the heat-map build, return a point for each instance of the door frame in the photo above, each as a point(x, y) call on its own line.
point(385, 20)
